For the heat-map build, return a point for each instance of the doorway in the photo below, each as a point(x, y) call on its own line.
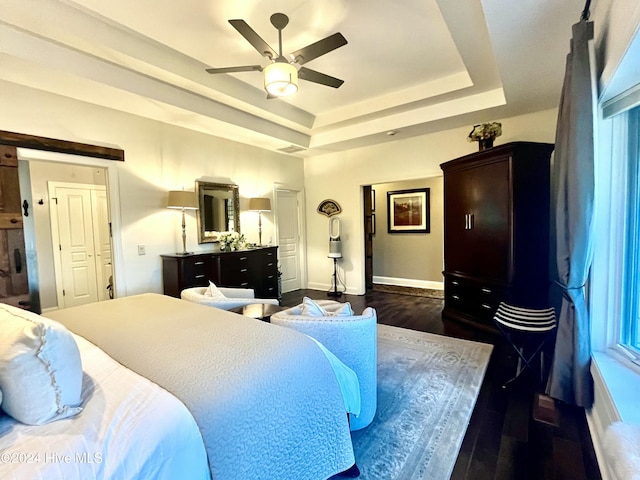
point(403, 259)
point(41, 167)
point(369, 230)
point(289, 239)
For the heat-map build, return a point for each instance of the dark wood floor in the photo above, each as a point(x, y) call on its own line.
point(503, 440)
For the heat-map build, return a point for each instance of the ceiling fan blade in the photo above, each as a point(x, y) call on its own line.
point(318, 48)
point(317, 77)
point(245, 68)
point(253, 38)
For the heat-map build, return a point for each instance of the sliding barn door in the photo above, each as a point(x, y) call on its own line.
point(14, 284)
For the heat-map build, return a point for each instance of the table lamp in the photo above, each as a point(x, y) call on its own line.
point(184, 201)
point(260, 204)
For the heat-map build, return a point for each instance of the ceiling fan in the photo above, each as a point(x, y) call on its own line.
point(281, 76)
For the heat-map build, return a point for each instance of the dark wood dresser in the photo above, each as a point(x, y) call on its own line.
point(255, 268)
point(496, 234)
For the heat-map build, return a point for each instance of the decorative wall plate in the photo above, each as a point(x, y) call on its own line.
point(329, 208)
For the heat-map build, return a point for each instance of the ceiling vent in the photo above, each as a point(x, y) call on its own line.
point(292, 149)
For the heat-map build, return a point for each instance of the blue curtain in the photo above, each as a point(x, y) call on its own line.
point(572, 225)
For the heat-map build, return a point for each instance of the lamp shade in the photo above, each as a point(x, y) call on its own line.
point(260, 204)
point(182, 199)
point(280, 79)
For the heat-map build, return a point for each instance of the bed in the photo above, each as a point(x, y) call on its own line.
point(191, 389)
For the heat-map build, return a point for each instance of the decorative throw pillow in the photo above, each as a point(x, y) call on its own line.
point(312, 309)
point(213, 291)
point(344, 310)
point(40, 368)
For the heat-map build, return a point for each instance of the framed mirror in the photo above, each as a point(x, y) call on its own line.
point(219, 210)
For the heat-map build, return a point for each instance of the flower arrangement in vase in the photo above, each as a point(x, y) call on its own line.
point(232, 241)
point(485, 133)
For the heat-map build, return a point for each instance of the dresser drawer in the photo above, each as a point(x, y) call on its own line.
point(237, 269)
point(180, 272)
point(196, 272)
point(269, 273)
point(474, 299)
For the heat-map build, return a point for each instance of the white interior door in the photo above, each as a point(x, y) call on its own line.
point(288, 239)
point(80, 229)
point(77, 248)
point(102, 242)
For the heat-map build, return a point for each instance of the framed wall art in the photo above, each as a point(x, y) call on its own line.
point(408, 211)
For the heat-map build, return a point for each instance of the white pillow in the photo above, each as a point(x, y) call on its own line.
point(40, 368)
point(214, 292)
point(312, 309)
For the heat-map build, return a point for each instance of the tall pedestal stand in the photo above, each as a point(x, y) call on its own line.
point(335, 292)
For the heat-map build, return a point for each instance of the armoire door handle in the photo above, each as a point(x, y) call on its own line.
point(468, 221)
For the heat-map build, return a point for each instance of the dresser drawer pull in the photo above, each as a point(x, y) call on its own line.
point(199, 263)
point(243, 270)
point(486, 307)
point(455, 297)
point(270, 276)
point(244, 284)
point(455, 283)
point(270, 254)
point(270, 264)
point(486, 290)
point(242, 259)
point(199, 276)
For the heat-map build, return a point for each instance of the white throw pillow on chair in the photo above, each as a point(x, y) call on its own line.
point(214, 292)
point(312, 309)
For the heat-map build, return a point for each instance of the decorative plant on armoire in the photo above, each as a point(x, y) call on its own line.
point(484, 134)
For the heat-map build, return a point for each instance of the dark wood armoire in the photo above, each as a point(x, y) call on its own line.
point(496, 234)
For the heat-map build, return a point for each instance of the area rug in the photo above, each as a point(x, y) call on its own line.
point(413, 291)
point(427, 388)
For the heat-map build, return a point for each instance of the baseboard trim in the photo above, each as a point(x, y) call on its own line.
point(326, 287)
point(604, 410)
point(593, 423)
point(408, 282)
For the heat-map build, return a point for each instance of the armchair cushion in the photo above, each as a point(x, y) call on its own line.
point(312, 309)
point(232, 297)
point(213, 291)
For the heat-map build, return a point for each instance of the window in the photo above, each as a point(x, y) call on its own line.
point(629, 335)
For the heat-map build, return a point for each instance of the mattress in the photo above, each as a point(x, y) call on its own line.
point(265, 398)
point(129, 428)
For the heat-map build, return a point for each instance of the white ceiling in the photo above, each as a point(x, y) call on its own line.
point(411, 67)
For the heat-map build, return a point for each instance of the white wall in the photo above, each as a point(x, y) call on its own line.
point(158, 158)
point(340, 176)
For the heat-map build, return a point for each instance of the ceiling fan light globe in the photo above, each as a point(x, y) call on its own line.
point(281, 79)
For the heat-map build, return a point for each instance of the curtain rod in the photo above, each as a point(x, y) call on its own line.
point(585, 12)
